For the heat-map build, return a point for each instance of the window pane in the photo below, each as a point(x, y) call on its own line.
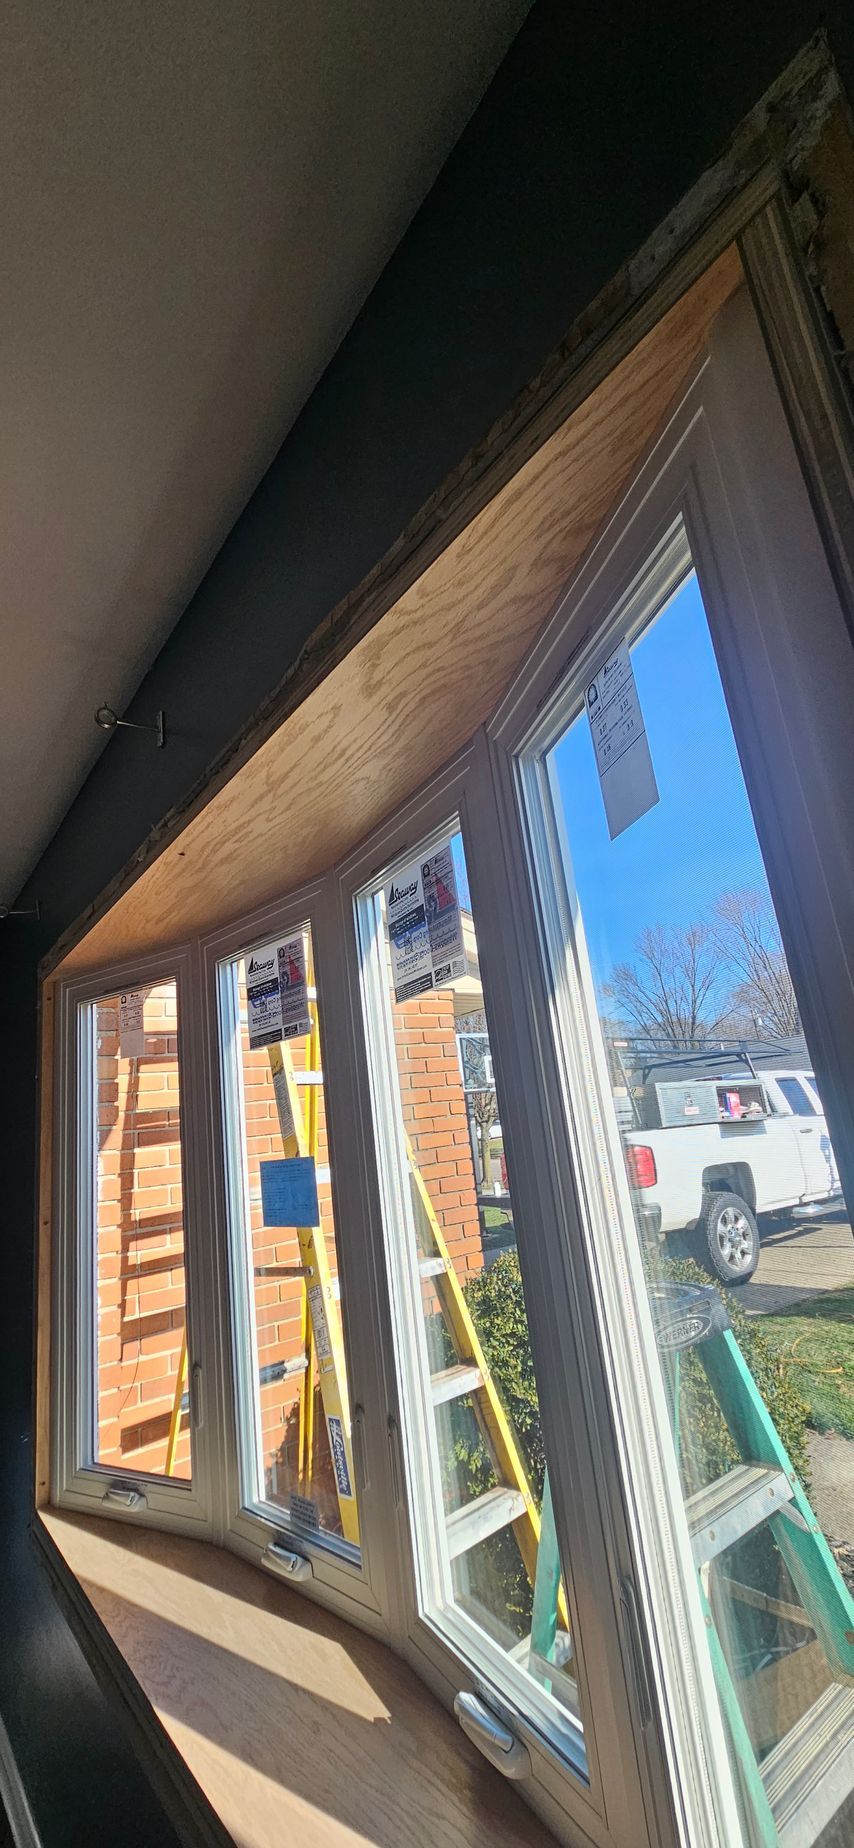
point(295, 1395)
point(745, 1239)
point(484, 1533)
point(141, 1411)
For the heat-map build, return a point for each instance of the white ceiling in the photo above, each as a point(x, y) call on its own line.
point(197, 198)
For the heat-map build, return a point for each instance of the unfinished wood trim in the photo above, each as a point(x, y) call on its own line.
point(411, 693)
point(193, 1817)
point(296, 1726)
point(44, 1225)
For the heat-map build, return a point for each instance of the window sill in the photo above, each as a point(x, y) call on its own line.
point(294, 1724)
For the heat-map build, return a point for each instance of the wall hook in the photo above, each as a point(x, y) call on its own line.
point(108, 720)
point(8, 911)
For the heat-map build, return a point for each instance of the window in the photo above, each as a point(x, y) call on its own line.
point(127, 1419)
point(486, 1557)
point(667, 970)
point(295, 1426)
point(142, 1397)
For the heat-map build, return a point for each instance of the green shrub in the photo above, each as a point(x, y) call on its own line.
point(497, 1305)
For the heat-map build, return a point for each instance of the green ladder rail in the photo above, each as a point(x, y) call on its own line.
point(762, 1487)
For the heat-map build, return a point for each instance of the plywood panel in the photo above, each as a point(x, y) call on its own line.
point(414, 688)
point(297, 1727)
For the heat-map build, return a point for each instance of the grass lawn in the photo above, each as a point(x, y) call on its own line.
point(814, 1342)
point(495, 1216)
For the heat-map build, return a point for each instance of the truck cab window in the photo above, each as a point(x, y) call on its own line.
point(796, 1097)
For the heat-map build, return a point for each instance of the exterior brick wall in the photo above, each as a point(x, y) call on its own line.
point(434, 1117)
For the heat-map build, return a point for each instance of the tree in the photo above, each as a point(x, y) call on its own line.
point(670, 991)
point(748, 940)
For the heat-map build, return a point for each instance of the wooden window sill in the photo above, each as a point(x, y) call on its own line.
point(296, 1726)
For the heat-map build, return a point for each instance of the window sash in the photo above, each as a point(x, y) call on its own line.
point(77, 1480)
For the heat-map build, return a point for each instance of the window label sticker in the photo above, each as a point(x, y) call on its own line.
point(277, 992)
point(620, 743)
point(411, 962)
point(131, 1028)
point(424, 925)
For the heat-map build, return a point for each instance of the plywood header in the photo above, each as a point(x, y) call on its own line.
point(411, 691)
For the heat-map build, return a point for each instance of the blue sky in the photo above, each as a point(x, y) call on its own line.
point(699, 840)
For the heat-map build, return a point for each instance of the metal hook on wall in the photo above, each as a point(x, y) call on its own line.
point(8, 911)
point(109, 720)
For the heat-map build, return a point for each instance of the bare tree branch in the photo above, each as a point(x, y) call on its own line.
point(749, 944)
point(671, 990)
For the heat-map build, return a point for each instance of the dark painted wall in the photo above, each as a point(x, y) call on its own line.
point(600, 118)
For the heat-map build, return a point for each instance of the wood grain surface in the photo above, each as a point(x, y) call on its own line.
point(416, 686)
point(297, 1726)
point(41, 1434)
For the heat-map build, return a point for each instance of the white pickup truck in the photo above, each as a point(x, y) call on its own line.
point(726, 1149)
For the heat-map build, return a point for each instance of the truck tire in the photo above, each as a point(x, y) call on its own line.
point(728, 1237)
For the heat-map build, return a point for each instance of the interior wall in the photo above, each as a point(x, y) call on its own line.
point(601, 117)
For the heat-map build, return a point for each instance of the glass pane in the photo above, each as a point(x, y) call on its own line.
point(296, 1399)
point(746, 1240)
point(485, 1536)
point(142, 1411)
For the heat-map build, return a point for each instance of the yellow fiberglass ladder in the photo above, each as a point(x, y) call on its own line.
point(510, 1502)
point(321, 1317)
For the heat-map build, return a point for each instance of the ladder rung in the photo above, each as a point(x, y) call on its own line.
point(733, 1506)
point(430, 1267)
point(481, 1518)
point(455, 1382)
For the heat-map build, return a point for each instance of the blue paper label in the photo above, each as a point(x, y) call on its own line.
point(289, 1192)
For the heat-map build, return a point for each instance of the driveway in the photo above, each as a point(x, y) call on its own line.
point(798, 1262)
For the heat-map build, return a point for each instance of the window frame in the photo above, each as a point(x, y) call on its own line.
point(76, 1481)
point(754, 546)
point(452, 1656)
point(358, 1589)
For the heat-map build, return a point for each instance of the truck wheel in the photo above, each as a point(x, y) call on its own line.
point(729, 1236)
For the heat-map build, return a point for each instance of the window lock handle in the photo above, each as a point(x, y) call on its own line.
point(492, 1737)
